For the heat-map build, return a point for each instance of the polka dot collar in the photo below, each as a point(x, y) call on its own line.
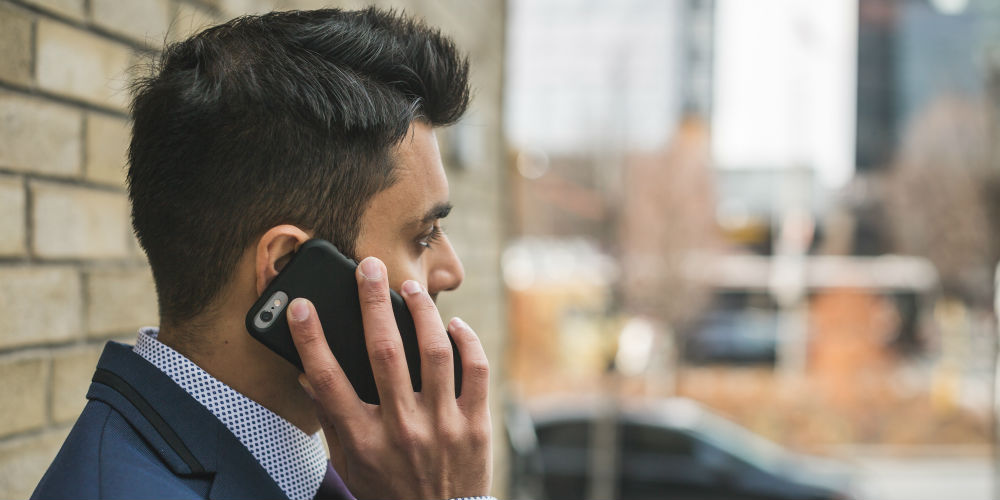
point(295, 460)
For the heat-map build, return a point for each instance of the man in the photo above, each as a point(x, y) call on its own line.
point(248, 139)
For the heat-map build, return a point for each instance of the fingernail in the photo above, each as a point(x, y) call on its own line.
point(410, 287)
point(371, 269)
point(306, 386)
point(299, 309)
point(457, 322)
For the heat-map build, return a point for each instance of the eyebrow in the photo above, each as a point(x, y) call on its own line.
point(439, 211)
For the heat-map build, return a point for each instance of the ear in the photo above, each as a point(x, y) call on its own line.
point(274, 249)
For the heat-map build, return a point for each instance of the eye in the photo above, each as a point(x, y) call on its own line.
point(428, 239)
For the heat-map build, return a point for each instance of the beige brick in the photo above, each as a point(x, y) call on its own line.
point(82, 65)
point(24, 460)
point(231, 8)
point(68, 8)
point(107, 144)
point(128, 339)
point(137, 252)
point(78, 222)
point(71, 373)
point(15, 45)
point(143, 20)
point(37, 136)
point(316, 4)
point(39, 305)
point(12, 202)
point(211, 4)
point(190, 19)
point(22, 406)
point(120, 301)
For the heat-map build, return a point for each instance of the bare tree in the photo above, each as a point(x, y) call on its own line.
point(669, 213)
point(938, 195)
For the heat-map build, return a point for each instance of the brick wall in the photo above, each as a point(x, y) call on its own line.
point(71, 274)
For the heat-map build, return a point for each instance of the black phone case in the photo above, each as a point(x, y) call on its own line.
point(320, 273)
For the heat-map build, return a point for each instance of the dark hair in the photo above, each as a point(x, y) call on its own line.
point(283, 118)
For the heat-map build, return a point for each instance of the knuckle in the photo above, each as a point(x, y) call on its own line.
point(451, 435)
point(310, 338)
point(478, 369)
point(373, 297)
point(407, 436)
point(324, 380)
point(481, 432)
point(438, 354)
point(385, 350)
point(480, 438)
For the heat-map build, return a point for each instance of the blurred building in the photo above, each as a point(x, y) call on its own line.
point(911, 52)
point(608, 107)
point(757, 233)
point(594, 77)
point(927, 169)
point(697, 46)
point(593, 89)
point(925, 135)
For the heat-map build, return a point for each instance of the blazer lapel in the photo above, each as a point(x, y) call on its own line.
point(188, 438)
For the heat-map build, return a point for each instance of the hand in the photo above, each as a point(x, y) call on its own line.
point(424, 444)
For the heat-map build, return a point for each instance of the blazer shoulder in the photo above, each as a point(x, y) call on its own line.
point(74, 471)
point(142, 436)
point(105, 457)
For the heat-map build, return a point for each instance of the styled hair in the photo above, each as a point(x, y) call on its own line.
point(283, 118)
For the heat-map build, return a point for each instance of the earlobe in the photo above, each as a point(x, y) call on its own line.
point(274, 249)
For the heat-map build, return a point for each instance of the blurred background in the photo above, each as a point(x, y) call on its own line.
point(714, 248)
point(778, 213)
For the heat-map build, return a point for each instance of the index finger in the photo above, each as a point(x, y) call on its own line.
point(333, 391)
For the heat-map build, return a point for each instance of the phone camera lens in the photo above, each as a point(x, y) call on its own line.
point(266, 316)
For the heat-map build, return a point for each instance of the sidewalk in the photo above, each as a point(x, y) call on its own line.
point(932, 473)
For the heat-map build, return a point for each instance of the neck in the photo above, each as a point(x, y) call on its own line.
point(223, 348)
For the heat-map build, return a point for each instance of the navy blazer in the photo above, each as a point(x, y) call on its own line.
point(142, 436)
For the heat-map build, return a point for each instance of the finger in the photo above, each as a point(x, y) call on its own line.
point(437, 368)
point(475, 366)
point(327, 383)
point(385, 347)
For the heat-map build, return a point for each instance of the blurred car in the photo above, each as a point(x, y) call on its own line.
point(673, 448)
point(526, 479)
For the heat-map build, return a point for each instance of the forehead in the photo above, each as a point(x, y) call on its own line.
point(420, 184)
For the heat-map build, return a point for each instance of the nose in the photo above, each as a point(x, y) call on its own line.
point(446, 271)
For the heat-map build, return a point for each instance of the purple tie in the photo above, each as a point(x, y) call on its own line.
point(332, 486)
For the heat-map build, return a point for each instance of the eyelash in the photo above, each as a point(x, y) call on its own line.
point(433, 236)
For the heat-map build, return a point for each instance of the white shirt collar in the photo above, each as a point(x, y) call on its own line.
point(296, 461)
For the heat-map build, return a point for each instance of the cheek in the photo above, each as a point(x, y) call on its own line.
point(402, 267)
point(399, 255)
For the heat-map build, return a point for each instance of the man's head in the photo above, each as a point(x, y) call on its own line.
point(263, 130)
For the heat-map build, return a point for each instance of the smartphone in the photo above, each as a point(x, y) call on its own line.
point(318, 271)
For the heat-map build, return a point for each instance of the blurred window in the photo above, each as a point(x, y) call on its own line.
point(656, 461)
point(565, 447)
point(650, 439)
point(569, 434)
